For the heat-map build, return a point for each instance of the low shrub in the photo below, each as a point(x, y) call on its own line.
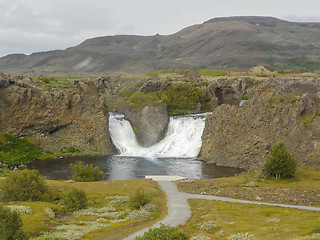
point(126, 92)
point(315, 229)
point(245, 97)
point(85, 172)
point(72, 150)
point(75, 200)
point(138, 199)
point(139, 100)
point(11, 225)
point(25, 185)
point(280, 163)
point(184, 97)
point(163, 232)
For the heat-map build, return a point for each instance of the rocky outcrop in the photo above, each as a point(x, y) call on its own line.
point(149, 123)
point(75, 117)
point(277, 109)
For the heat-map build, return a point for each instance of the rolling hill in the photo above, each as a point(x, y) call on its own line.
point(220, 43)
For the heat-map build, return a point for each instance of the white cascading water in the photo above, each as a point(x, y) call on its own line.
point(183, 138)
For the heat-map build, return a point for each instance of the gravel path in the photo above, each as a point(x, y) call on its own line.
point(179, 209)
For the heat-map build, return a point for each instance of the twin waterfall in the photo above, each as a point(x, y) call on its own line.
point(183, 138)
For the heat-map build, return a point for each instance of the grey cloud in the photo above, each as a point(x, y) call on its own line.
point(37, 25)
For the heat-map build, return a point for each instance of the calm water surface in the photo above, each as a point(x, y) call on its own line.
point(123, 168)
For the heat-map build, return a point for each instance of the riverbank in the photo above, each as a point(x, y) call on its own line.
point(214, 219)
point(304, 189)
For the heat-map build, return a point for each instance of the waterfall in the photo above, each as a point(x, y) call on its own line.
point(183, 138)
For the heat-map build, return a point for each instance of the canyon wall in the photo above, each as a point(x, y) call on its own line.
point(75, 116)
point(277, 109)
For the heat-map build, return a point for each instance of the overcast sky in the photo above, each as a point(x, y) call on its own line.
point(28, 26)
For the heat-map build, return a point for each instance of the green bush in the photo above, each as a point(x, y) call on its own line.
point(280, 163)
point(163, 232)
point(75, 200)
point(138, 199)
point(85, 172)
point(15, 151)
point(72, 150)
point(25, 185)
point(183, 97)
point(10, 225)
point(126, 92)
point(315, 229)
point(139, 99)
point(245, 97)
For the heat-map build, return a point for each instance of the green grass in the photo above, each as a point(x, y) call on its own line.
point(263, 221)
point(15, 151)
point(156, 73)
point(38, 221)
point(307, 120)
point(205, 72)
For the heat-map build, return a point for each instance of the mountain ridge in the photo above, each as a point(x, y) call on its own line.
point(219, 43)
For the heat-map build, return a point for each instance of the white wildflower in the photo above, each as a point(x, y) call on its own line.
point(242, 236)
point(48, 211)
point(200, 237)
point(208, 226)
point(273, 220)
point(20, 209)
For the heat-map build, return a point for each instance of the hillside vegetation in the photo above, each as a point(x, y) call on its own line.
point(220, 43)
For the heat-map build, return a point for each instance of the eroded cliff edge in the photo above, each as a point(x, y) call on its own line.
point(56, 119)
point(277, 109)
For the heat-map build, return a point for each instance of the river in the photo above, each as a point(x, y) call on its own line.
point(176, 154)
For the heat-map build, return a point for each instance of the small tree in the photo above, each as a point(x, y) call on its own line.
point(10, 225)
point(25, 185)
point(139, 199)
point(85, 172)
point(75, 200)
point(280, 163)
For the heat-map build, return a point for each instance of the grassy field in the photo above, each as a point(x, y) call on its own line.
point(220, 220)
point(108, 215)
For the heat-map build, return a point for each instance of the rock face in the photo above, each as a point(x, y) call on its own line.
point(277, 109)
point(150, 124)
point(57, 118)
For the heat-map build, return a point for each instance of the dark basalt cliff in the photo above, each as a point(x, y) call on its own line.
point(75, 117)
point(277, 109)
